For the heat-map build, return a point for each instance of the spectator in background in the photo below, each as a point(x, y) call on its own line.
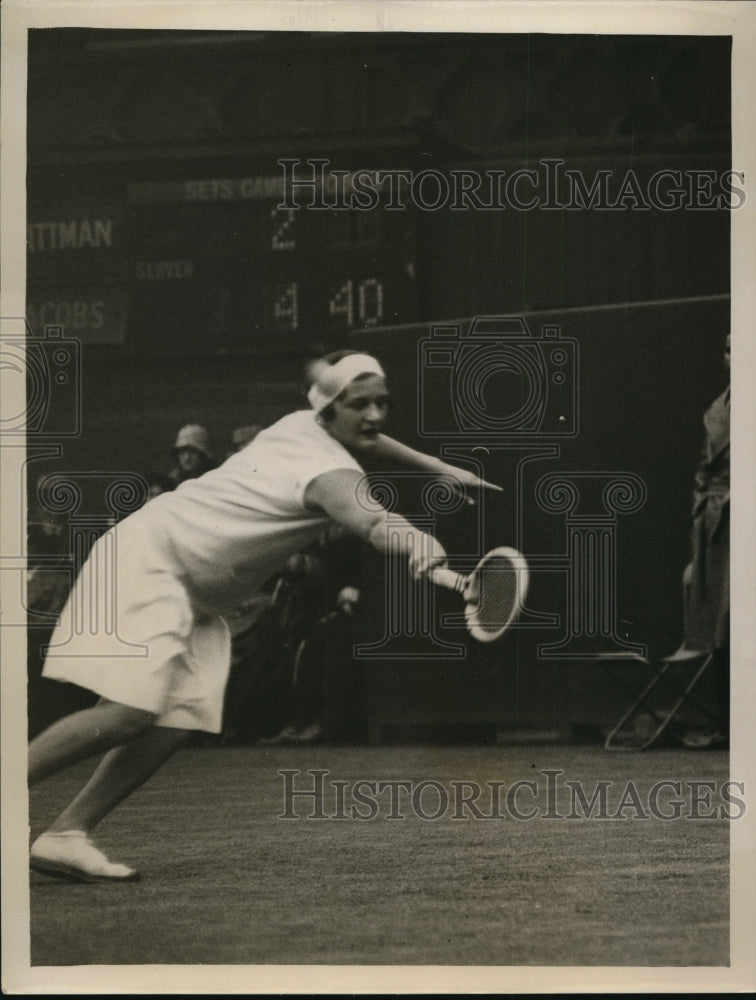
point(242, 436)
point(328, 697)
point(266, 634)
point(48, 582)
point(158, 483)
point(344, 716)
point(706, 580)
point(46, 530)
point(193, 455)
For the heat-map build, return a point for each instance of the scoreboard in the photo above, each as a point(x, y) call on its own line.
point(216, 265)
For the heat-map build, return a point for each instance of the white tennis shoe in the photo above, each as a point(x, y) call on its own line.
point(72, 855)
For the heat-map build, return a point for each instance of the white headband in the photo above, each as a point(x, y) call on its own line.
point(331, 380)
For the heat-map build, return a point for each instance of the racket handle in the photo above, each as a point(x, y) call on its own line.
point(448, 578)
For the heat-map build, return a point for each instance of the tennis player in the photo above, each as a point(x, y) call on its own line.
point(179, 562)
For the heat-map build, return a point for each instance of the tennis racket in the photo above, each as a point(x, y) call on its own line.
point(494, 592)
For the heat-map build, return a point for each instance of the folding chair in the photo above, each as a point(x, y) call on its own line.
point(663, 679)
point(624, 735)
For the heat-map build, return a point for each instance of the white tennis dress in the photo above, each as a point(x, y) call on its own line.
point(142, 625)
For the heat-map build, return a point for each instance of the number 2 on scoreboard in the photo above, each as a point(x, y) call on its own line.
point(283, 233)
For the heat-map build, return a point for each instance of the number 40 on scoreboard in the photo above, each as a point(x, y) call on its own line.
point(356, 303)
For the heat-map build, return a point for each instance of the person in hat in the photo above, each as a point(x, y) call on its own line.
point(192, 453)
point(178, 563)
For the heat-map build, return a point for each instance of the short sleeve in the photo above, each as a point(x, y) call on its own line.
point(318, 454)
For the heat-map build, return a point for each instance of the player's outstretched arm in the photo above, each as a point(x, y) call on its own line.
point(390, 450)
point(337, 494)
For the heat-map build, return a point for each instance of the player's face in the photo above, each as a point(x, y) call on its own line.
point(360, 414)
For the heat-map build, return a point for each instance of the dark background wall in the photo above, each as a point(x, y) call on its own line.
point(121, 123)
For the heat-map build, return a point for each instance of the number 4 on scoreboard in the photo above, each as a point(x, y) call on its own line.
point(284, 307)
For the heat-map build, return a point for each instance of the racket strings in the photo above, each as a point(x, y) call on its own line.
point(496, 597)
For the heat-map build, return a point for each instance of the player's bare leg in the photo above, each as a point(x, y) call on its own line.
point(84, 734)
point(120, 772)
point(65, 850)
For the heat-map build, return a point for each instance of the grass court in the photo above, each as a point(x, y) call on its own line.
point(225, 880)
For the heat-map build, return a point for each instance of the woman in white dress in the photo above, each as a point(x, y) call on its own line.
point(175, 565)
